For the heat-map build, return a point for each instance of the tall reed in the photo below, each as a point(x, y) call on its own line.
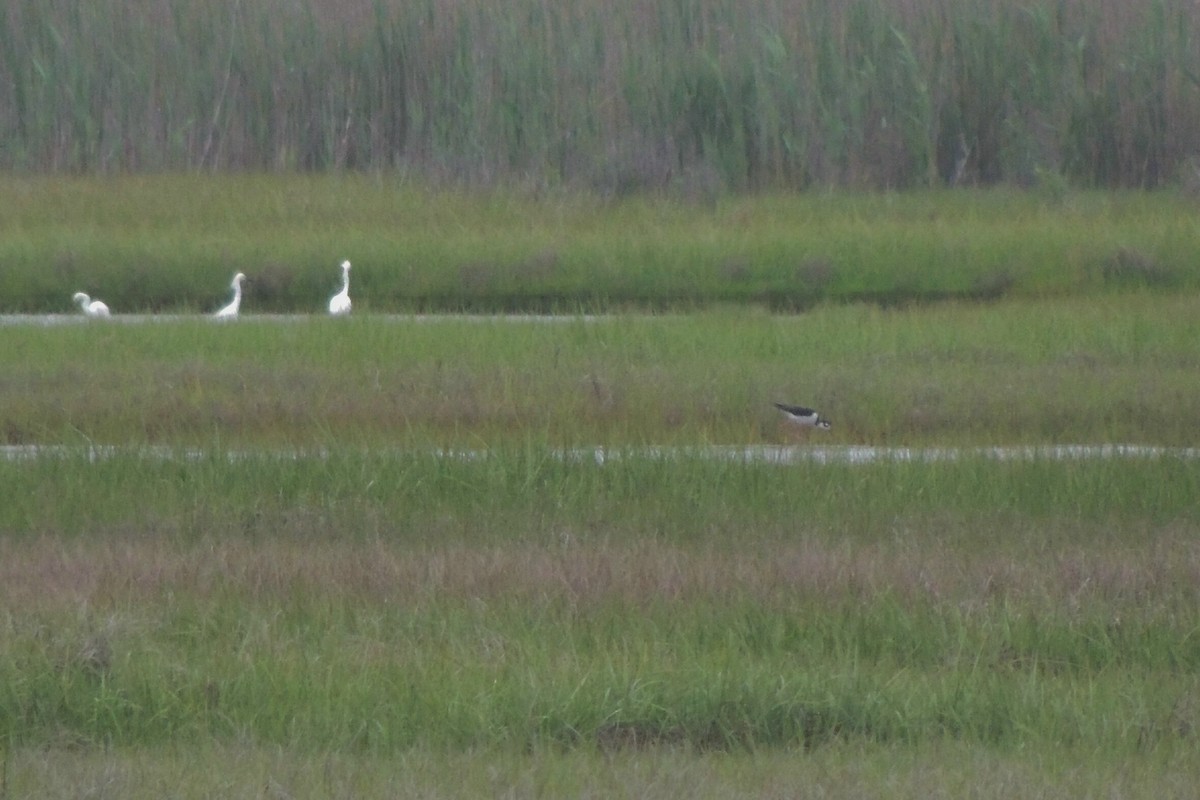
point(698, 95)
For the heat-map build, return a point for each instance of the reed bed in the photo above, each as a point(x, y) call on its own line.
point(696, 97)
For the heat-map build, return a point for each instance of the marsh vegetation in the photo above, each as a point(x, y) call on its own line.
point(361, 607)
point(149, 244)
point(310, 599)
point(694, 98)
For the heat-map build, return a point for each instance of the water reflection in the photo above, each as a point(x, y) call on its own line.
point(748, 454)
point(53, 320)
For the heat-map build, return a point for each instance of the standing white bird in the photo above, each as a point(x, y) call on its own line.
point(339, 304)
point(231, 311)
point(93, 308)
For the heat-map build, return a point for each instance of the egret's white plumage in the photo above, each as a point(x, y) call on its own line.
point(93, 308)
point(231, 311)
point(339, 304)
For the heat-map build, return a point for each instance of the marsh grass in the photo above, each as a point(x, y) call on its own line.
point(530, 603)
point(950, 769)
point(1115, 368)
point(567, 623)
point(171, 243)
point(364, 564)
point(554, 500)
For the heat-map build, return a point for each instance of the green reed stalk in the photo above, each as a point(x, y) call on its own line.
point(694, 97)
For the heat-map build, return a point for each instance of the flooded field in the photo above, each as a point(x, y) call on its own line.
point(55, 320)
point(782, 455)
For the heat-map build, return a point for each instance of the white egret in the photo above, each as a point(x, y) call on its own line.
point(339, 304)
point(93, 308)
point(231, 311)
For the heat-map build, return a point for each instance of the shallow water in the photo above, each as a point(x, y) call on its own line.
point(54, 320)
point(749, 454)
point(868, 454)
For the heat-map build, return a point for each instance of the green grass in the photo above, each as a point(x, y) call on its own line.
point(524, 622)
point(537, 613)
point(677, 498)
point(172, 243)
point(1113, 368)
point(947, 769)
point(277, 586)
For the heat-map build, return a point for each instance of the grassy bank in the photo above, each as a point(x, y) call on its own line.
point(371, 605)
point(1114, 368)
point(172, 243)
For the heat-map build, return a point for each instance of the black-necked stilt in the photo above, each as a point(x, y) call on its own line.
point(804, 417)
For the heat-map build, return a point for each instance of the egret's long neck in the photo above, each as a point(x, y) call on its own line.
point(345, 281)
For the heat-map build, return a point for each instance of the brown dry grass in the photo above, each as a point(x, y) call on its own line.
point(50, 574)
point(944, 771)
